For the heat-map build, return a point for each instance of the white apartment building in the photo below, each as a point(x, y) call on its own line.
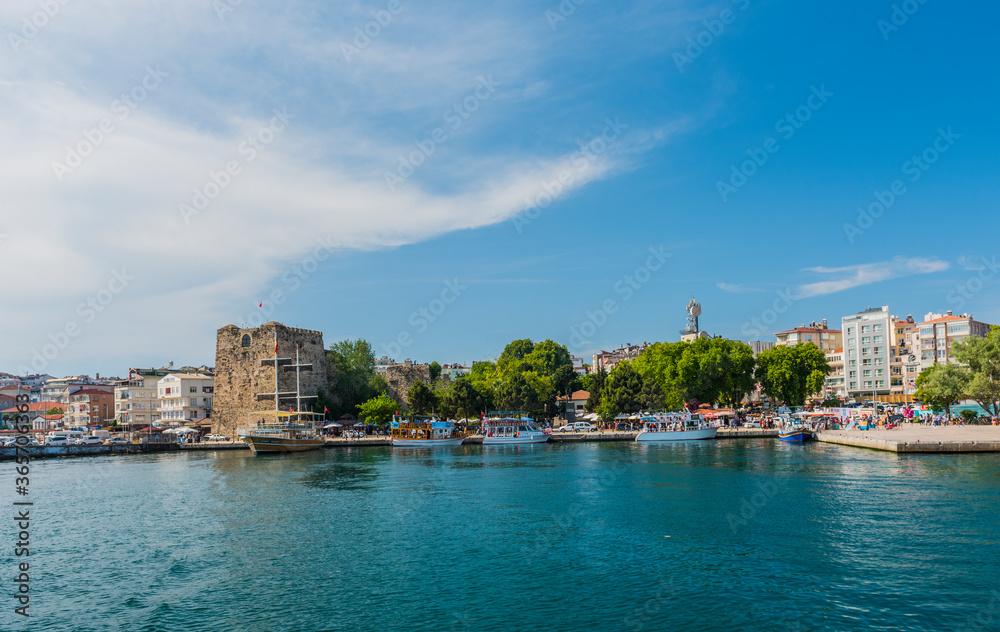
point(818, 334)
point(185, 397)
point(938, 332)
point(867, 337)
point(609, 359)
point(835, 384)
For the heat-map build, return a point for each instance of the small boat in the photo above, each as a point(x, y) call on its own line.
point(796, 433)
point(424, 432)
point(508, 428)
point(675, 427)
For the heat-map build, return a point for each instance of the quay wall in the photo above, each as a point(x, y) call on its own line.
point(41, 452)
point(910, 446)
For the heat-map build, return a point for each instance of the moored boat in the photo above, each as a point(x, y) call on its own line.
point(798, 434)
point(507, 428)
point(675, 427)
point(424, 432)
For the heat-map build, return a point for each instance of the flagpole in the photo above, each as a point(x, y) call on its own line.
point(275, 375)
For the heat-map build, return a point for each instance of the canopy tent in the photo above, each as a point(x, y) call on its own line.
point(333, 425)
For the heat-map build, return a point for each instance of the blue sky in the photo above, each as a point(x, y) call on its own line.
point(382, 170)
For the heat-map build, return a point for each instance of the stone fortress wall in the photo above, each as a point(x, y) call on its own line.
point(239, 375)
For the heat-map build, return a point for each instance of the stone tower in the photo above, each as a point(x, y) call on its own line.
point(240, 375)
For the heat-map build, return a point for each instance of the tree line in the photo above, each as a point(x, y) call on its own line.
point(975, 375)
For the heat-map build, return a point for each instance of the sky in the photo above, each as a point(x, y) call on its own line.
point(440, 178)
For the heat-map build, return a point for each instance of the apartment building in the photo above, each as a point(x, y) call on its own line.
point(89, 407)
point(938, 332)
point(137, 398)
point(900, 351)
point(609, 359)
point(867, 339)
point(185, 397)
point(835, 384)
point(818, 334)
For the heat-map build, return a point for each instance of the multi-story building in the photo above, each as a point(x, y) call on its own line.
point(89, 407)
point(938, 332)
point(578, 366)
point(453, 371)
point(185, 397)
point(911, 362)
point(899, 353)
point(835, 385)
point(867, 336)
point(818, 334)
point(758, 346)
point(137, 400)
point(608, 359)
point(383, 363)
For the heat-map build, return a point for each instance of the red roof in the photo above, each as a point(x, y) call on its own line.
point(575, 395)
point(90, 391)
point(945, 319)
point(35, 407)
point(809, 330)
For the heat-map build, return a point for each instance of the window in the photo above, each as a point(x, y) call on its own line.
point(868, 384)
point(865, 329)
point(866, 362)
point(854, 352)
point(194, 389)
point(877, 350)
point(866, 351)
point(850, 330)
point(854, 386)
point(878, 361)
point(853, 374)
point(876, 327)
point(866, 340)
point(878, 339)
point(878, 372)
point(867, 373)
point(940, 353)
point(246, 340)
point(851, 341)
point(854, 362)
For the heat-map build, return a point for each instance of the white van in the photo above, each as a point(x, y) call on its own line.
point(68, 435)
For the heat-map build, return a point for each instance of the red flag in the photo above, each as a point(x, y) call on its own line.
point(291, 410)
point(276, 347)
point(325, 409)
point(261, 304)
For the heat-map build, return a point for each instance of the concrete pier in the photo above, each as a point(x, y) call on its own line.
point(916, 439)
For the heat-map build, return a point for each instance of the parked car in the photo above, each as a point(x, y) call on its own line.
point(118, 441)
point(752, 424)
point(90, 440)
point(578, 426)
point(215, 437)
point(59, 440)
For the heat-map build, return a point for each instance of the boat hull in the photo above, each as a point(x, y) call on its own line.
point(425, 443)
point(541, 438)
point(279, 445)
point(678, 435)
point(797, 436)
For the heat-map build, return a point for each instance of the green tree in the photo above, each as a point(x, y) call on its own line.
point(939, 385)
point(516, 392)
point(651, 397)
point(351, 365)
point(377, 410)
point(462, 400)
point(606, 411)
point(547, 357)
point(982, 356)
point(421, 399)
point(790, 374)
point(596, 388)
point(435, 369)
point(55, 411)
point(623, 389)
point(514, 354)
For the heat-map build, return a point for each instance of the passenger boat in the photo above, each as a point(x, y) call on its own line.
point(286, 432)
point(675, 427)
point(276, 431)
point(511, 428)
point(424, 432)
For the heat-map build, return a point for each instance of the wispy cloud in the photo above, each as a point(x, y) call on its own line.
point(847, 277)
point(738, 288)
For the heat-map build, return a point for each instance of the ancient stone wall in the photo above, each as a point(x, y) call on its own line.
point(402, 376)
point(239, 374)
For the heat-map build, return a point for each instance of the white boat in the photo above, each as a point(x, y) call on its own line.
point(424, 432)
point(675, 427)
point(508, 429)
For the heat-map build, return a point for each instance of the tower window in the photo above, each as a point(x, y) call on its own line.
point(246, 340)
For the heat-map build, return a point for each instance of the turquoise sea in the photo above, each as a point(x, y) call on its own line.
point(720, 535)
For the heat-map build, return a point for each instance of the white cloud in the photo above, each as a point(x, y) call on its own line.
point(847, 277)
point(323, 176)
point(737, 288)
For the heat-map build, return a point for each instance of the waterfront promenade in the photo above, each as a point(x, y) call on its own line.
point(916, 438)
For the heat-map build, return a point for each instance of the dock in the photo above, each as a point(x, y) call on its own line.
point(917, 439)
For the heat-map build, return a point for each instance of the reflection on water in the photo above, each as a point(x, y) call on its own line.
point(714, 535)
